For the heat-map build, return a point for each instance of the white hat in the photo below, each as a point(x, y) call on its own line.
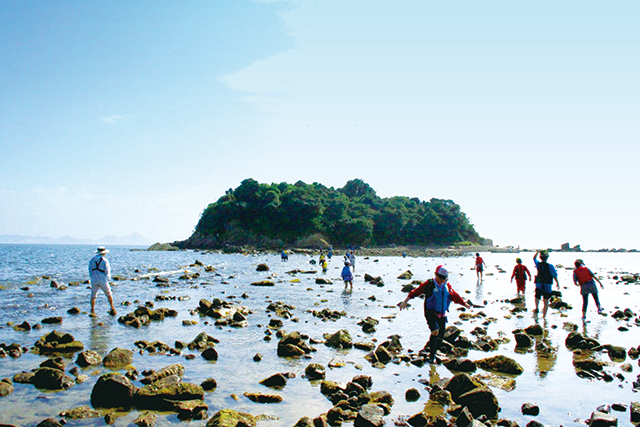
point(441, 271)
point(102, 250)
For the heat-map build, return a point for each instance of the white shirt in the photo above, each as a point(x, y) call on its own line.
point(99, 270)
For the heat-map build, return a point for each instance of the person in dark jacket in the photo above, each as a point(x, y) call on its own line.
point(438, 296)
point(544, 280)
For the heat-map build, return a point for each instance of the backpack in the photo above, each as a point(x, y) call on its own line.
point(544, 273)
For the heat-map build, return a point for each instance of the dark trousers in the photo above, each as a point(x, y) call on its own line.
point(585, 301)
point(435, 323)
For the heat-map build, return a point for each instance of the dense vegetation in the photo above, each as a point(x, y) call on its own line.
point(276, 215)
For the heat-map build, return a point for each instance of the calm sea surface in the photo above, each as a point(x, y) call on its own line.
point(563, 397)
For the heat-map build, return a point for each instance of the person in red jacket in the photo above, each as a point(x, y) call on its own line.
point(438, 296)
point(520, 273)
point(584, 278)
point(480, 265)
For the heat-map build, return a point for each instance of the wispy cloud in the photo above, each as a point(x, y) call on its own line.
point(112, 119)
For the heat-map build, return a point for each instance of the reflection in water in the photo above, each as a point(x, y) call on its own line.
point(546, 353)
point(99, 336)
point(479, 293)
point(433, 408)
point(346, 297)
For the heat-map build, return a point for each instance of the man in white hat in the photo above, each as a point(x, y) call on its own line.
point(438, 295)
point(100, 272)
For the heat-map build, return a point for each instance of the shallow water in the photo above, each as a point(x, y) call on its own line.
point(552, 384)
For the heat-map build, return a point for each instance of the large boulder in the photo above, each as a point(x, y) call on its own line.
point(51, 379)
point(617, 354)
point(202, 341)
point(175, 369)
point(602, 419)
point(146, 419)
point(635, 412)
point(535, 330)
point(231, 418)
point(263, 397)
point(523, 340)
point(6, 387)
point(501, 364)
point(160, 396)
point(381, 397)
point(304, 422)
point(80, 413)
point(293, 345)
point(460, 365)
point(422, 419)
point(369, 415)
point(88, 358)
point(340, 339)
point(480, 401)
point(57, 342)
point(461, 384)
point(315, 371)
point(277, 381)
point(118, 358)
point(407, 275)
point(113, 390)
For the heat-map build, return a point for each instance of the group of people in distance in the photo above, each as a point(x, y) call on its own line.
point(439, 294)
point(547, 274)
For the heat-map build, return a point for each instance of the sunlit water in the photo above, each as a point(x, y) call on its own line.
point(552, 384)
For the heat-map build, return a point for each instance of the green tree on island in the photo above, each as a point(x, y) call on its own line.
point(274, 215)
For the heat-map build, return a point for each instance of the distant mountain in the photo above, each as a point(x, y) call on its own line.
point(135, 239)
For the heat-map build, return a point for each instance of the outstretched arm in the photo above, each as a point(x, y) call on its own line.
point(596, 279)
point(455, 297)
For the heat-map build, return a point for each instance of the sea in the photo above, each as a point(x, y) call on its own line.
point(564, 398)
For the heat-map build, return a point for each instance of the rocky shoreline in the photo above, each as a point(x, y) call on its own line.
point(467, 396)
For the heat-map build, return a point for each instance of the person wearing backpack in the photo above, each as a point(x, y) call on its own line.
point(584, 278)
point(544, 280)
point(100, 273)
point(438, 295)
point(520, 273)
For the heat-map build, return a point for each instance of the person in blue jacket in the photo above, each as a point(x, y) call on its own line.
point(438, 297)
point(347, 275)
point(544, 280)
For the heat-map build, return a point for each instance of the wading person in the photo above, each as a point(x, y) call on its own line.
point(584, 278)
point(520, 273)
point(544, 280)
point(480, 265)
point(100, 273)
point(347, 275)
point(438, 295)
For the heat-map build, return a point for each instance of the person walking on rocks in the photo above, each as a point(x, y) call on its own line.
point(100, 273)
point(520, 273)
point(480, 265)
point(438, 296)
point(584, 278)
point(352, 259)
point(544, 280)
point(347, 275)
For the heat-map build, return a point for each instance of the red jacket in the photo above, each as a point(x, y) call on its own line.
point(522, 274)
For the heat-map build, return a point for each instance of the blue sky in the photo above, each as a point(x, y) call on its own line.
point(121, 117)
